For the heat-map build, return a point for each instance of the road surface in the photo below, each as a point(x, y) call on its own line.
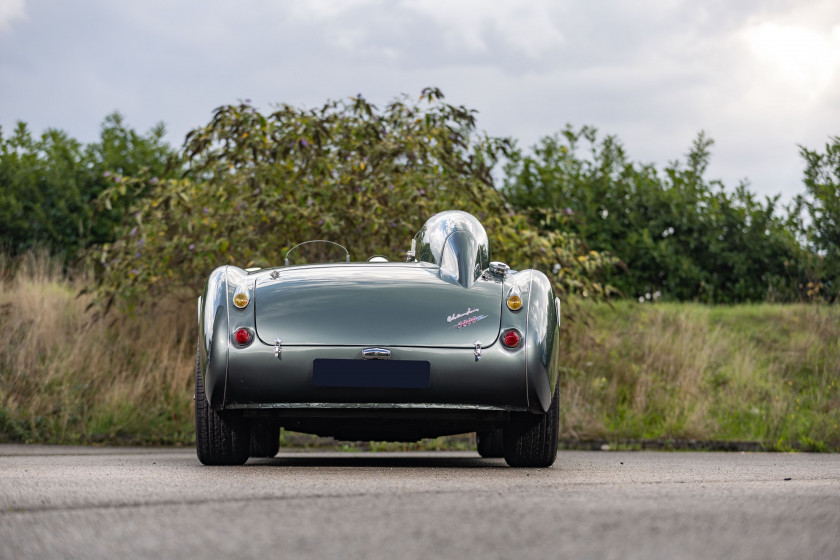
point(109, 503)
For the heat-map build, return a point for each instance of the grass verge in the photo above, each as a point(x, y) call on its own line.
point(750, 373)
point(766, 376)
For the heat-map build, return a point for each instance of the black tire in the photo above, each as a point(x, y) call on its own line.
point(265, 440)
point(220, 439)
point(490, 443)
point(530, 440)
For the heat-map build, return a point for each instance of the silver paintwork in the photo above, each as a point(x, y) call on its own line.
point(274, 374)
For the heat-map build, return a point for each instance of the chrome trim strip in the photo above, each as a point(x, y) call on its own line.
point(384, 406)
point(376, 354)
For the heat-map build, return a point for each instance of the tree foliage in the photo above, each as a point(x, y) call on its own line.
point(816, 214)
point(256, 184)
point(47, 184)
point(677, 234)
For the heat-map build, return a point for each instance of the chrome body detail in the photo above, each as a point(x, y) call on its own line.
point(477, 350)
point(410, 255)
point(454, 316)
point(275, 274)
point(375, 406)
point(499, 268)
point(376, 354)
point(278, 347)
point(457, 243)
point(342, 247)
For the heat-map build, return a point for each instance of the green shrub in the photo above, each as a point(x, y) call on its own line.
point(257, 184)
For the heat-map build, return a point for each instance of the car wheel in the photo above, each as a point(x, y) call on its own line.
point(490, 443)
point(530, 440)
point(220, 439)
point(265, 440)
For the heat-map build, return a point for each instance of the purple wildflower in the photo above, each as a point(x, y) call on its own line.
point(393, 223)
point(206, 210)
point(304, 143)
point(134, 271)
point(154, 181)
point(137, 255)
point(309, 202)
point(141, 242)
point(321, 222)
point(133, 232)
point(247, 101)
point(106, 174)
point(191, 247)
point(568, 211)
point(421, 192)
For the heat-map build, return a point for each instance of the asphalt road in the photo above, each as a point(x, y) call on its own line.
point(70, 502)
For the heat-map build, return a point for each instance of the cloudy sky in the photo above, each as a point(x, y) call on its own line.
point(760, 77)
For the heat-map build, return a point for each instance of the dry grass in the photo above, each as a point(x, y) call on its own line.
point(65, 377)
point(765, 373)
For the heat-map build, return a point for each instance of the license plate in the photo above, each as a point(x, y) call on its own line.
point(379, 374)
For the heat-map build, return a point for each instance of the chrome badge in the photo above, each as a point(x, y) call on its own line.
point(455, 316)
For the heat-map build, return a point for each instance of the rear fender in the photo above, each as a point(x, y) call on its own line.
point(542, 334)
point(217, 319)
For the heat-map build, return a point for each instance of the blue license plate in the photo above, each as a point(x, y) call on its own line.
point(379, 374)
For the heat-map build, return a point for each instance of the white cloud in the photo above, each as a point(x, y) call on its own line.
point(527, 27)
point(472, 25)
point(10, 10)
point(326, 9)
point(806, 58)
point(653, 72)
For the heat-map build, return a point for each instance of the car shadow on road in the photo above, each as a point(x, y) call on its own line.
point(373, 460)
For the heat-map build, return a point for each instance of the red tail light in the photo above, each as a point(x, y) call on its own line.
point(243, 336)
point(511, 338)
